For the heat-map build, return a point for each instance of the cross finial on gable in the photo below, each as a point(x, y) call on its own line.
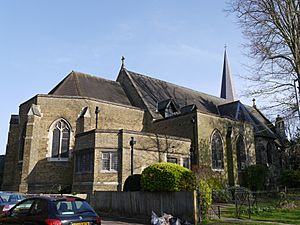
point(253, 103)
point(123, 61)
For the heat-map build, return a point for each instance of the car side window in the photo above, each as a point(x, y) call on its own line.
point(64, 207)
point(39, 207)
point(23, 208)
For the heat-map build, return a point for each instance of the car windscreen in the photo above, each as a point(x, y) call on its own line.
point(71, 207)
point(11, 197)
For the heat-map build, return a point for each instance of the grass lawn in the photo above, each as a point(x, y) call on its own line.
point(217, 222)
point(264, 213)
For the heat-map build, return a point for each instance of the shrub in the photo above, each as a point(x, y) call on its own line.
point(215, 183)
point(290, 178)
point(222, 196)
point(256, 177)
point(188, 181)
point(168, 177)
point(206, 197)
point(133, 183)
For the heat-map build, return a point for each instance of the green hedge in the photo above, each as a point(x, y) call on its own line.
point(133, 183)
point(206, 197)
point(167, 177)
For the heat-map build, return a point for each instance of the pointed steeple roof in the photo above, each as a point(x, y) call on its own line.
point(227, 89)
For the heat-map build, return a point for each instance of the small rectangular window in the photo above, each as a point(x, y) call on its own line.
point(84, 162)
point(110, 161)
point(171, 160)
point(105, 161)
point(186, 163)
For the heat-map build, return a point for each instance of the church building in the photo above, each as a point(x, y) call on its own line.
point(89, 134)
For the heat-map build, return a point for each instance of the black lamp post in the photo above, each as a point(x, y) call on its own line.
point(97, 112)
point(132, 142)
point(193, 149)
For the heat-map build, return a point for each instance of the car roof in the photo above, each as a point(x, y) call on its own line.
point(56, 198)
point(11, 192)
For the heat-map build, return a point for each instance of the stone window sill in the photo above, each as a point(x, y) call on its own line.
point(57, 159)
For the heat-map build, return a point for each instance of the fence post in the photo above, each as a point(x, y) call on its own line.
point(161, 204)
point(199, 201)
point(249, 207)
point(195, 208)
point(236, 205)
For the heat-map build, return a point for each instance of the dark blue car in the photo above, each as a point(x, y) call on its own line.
point(51, 211)
point(9, 199)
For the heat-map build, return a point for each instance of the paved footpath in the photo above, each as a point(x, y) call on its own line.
point(115, 221)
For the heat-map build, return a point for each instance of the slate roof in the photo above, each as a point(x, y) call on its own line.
point(238, 111)
point(80, 84)
point(165, 103)
point(157, 93)
point(229, 109)
point(152, 91)
point(264, 123)
point(188, 108)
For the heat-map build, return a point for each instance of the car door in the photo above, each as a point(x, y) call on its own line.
point(38, 212)
point(18, 214)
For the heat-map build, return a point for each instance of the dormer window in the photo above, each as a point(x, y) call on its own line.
point(167, 108)
point(169, 111)
point(188, 108)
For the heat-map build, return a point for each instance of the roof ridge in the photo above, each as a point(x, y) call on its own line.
point(128, 73)
point(94, 76)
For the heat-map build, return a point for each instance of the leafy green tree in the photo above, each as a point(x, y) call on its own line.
point(257, 177)
point(290, 178)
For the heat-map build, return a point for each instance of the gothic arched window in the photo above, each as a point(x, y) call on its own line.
point(260, 151)
point(217, 151)
point(60, 139)
point(241, 153)
point(269, 153)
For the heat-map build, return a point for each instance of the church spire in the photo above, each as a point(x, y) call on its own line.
point(227, 89)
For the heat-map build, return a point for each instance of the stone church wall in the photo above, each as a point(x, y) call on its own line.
point(148, 149)
point(12, 168)
point(207, 124)
point(180, 126)
point(39, 172)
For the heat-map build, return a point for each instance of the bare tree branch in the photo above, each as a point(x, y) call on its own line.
point(272, 32)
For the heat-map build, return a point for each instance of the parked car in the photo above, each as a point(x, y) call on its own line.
point(9, 199)
point(60, 210)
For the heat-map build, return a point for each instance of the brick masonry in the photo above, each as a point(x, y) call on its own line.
point(155, 141)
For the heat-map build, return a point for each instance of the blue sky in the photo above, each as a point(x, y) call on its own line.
point(177, 41)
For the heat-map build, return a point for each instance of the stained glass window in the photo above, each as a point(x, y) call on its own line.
point(60, 140)
point(241, 153)
point(217, 151)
